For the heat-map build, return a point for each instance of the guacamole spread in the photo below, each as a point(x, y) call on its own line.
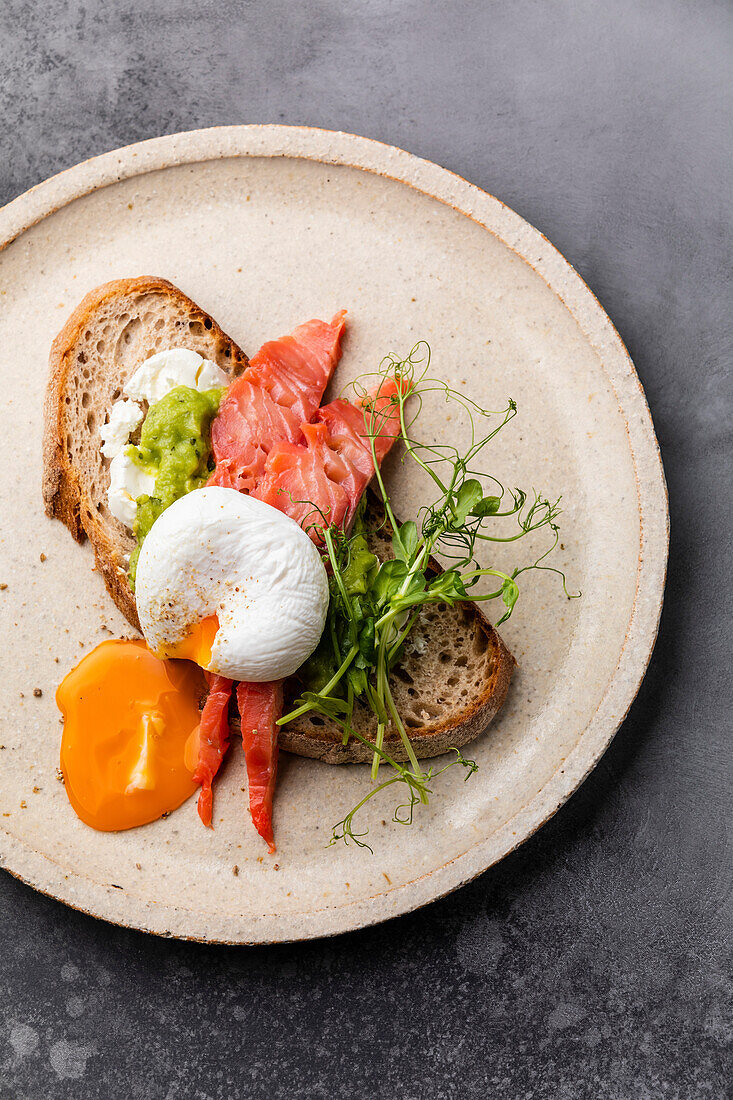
point(175, 446)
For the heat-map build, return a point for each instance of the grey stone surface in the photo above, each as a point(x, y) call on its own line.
point(595, 962)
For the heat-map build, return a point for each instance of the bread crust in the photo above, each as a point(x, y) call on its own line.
point(63, 491)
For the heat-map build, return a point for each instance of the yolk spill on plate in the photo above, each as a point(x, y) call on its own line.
point(130, 740)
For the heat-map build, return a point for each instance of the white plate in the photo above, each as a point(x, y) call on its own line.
point(265, 227)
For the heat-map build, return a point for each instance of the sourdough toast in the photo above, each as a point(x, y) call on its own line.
point(107, 337)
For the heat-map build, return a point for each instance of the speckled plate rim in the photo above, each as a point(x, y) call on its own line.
point(331, 147)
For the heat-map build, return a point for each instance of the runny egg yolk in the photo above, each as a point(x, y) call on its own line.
point(130, 739)
point(198, 643)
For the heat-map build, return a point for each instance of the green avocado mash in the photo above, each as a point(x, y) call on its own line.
point(175, 445)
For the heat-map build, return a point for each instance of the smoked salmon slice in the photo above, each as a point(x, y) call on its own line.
point(299, 480)
point(281, 388)
point(260, 706)
point(320, 481)
point(213, 740)
point(248, 424)
point(295, 369)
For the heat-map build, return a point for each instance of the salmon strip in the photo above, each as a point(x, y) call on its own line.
point(296, 369)
point(321, 481)
point(297, 481)
point(260, 706)
point(213, 740)
point(281, 388)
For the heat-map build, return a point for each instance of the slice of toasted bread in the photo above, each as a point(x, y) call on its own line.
point(113, 330)
point(450, 682)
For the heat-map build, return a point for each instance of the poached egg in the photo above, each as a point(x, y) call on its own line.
point(232, 583)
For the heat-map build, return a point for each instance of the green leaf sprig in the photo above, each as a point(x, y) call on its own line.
point(375, 604)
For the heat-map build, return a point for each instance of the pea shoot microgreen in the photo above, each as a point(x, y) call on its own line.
point(374, 604)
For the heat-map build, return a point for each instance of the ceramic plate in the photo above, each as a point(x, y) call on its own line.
point(266, 226)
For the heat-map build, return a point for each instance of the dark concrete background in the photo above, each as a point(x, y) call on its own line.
point(595, 962)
